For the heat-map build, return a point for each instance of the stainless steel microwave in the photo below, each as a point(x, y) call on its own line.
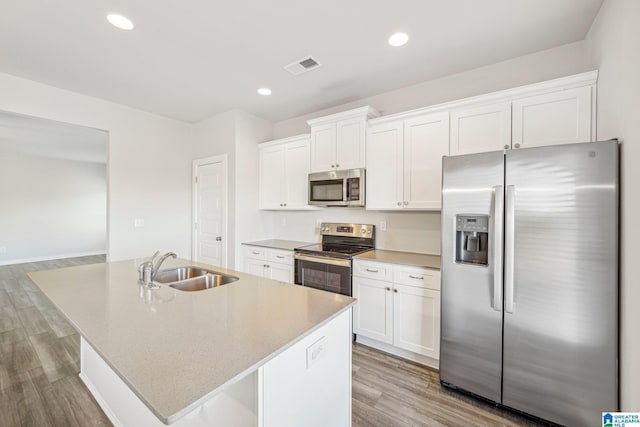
point(337, 188)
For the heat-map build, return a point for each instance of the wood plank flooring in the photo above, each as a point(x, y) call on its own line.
point(40, 355)
point(39, 366)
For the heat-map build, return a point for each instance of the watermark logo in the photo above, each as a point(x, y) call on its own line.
point(620, 419)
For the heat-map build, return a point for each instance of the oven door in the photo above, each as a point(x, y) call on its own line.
point(327, 274)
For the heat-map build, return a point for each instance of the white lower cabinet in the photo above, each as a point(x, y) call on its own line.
point(276, 264)
point(400, 314)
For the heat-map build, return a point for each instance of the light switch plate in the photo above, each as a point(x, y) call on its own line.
point(315, 352)
point(383, 225)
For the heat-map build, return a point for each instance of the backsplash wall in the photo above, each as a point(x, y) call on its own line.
point(406, 231)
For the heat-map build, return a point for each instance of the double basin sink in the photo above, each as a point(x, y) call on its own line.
point(191, 278)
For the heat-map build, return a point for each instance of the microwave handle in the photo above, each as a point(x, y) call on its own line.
point(345, 190)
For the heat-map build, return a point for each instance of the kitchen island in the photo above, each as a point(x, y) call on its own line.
point(255, 352)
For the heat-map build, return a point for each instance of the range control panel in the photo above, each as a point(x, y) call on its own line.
point(346, 230)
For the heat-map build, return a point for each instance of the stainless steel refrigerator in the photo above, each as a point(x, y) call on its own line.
point(530, 279)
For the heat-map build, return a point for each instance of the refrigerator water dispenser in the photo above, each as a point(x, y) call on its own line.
point(472, 239)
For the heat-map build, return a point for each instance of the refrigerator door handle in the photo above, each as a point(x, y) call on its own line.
point(498, 213)
point(509, 257)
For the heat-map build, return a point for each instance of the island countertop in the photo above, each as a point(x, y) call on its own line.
point(176, 349)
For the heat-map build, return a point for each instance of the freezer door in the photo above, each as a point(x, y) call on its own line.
point(471, 306)
point(561, 282)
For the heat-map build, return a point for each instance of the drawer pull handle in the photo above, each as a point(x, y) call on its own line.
point(416, 277)
point(256, 253)
point(279, 256)
point(370, 270)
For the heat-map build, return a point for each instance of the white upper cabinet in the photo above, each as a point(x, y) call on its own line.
point(323, 147)
point(338, 141)
point(480, 129)
point(385, 166)
point(426, 140)
point(404, 162)
point(284, 174)
point(561, 117)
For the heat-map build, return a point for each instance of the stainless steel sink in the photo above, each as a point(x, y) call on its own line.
point(204, 282)
point(181, 273)
point(191, 278)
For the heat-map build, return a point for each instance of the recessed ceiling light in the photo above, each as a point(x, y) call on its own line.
point(120, 21)
point(398, 39)
point(264, 91)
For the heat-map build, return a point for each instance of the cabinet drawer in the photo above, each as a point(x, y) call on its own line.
point(373, 270)
point(415, 276)
point(255, 252)
point(284, 257)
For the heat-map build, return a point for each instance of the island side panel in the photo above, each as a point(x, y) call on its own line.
point(309, 384)
point(236, 406)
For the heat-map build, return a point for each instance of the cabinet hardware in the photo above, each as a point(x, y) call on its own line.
point(284, 204)
point(255, 253)
point(506, 147)
point(395, 290)
point(399, 203)
point(337, 165)
point(333, 166)
point(279, 256)
point(416, 277)
point(517, 145)
point(406, 203)
point(371, 270)
point(388, 288)
point(219, 239)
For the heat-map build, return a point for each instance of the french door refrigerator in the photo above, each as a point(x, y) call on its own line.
point(530, 279)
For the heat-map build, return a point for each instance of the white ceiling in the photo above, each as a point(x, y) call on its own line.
point(192, 59)
point(33, 136)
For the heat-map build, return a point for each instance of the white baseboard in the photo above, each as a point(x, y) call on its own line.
point(409, 355)
point(51, 257)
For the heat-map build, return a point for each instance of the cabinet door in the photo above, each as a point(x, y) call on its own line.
point(426, 140)
point(281, 272)
point(296, 182)
point(481, 129)
point(372, 315)
point(272, 177)
point(255, 267)
point(416, 320)
point(385, 163)
point(350, 144)
point(556, 118)
point(323, 148)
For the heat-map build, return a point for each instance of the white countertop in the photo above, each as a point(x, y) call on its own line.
point(404, 258)
point(176, 349)
point(287, 245)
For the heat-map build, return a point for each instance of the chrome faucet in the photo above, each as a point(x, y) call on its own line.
point(148, 270)
point(162, 259)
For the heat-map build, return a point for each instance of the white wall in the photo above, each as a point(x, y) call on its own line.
point(51, 208)
point(614, 48)
point(237, 134)
point(149, 164)
point(536, 67)
point(420, 232)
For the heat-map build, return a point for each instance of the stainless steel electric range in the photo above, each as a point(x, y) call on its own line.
point(327, 265)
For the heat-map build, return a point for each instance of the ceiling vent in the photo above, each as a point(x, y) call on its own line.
point(303, 65)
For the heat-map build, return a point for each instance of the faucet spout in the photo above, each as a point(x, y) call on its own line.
point(162, 259)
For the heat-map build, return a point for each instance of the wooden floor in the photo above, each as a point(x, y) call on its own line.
point(39, 366)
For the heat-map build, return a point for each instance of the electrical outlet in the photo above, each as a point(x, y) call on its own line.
point(138, 222)
point(383, 225)
point(3, 249)
point(315, 352)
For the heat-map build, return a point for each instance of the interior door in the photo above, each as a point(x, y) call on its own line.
point(561, 282)
point(211, 211)
point(471, 305)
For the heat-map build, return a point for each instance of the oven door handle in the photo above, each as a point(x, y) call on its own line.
point(323, 260)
